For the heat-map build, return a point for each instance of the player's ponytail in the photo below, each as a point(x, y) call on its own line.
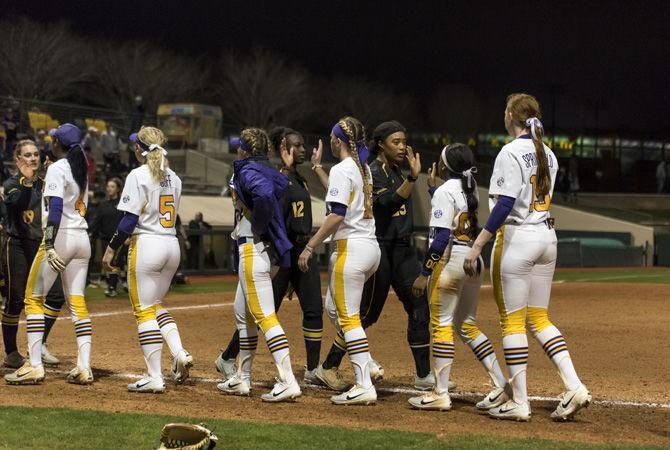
point(459, 160)
point(525, 110)
point(151, 141)
point(78, 166)
point(352, 132)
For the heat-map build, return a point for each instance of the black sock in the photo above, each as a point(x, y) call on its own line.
point(48, 323)
point(334, 358)
point(313, 350)
point(9, 337)
point(233, 348)
point(421, 360)
point(113, 280)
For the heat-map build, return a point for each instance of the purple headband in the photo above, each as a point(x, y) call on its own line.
point(135, 138)
point(244, 145)
point(361, 148)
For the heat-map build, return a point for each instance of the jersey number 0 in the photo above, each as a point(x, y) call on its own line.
point(167, 212)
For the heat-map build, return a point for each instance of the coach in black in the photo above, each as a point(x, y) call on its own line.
point(307, 285)
point(23, 197)
point(399, 265)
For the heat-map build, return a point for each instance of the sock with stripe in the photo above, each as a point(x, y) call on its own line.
point(278, 345)
point(248, 342)
point(556, 349)
point(359, 353)
point(83, 329)
point(169, 331)
point(483, 350)
point(312, 337)
point(51, 312)
point(10, 327)
point(516, 357)
point(35, 331)
point(151, 343)
point(443, 357)
point(336, 353)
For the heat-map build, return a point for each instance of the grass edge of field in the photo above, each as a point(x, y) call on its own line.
point(93, 429)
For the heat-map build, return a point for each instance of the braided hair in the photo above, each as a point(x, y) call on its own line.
point(355, 132)
point(257, 140)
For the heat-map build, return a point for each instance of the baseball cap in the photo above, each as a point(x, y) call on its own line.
point(234, 142)
point(67, 134)
point(133, 137)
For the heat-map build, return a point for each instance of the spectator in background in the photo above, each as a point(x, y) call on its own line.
point(94, 201)
point(661, 177)
point(10, 122)
point(562, 183)
point(195, 240)
point(109, 142)
point(90, 161)
point(43, 144)
point(91, 143)
point(573, 178)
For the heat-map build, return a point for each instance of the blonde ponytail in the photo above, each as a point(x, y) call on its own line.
point(355, 131)
point(156, 161)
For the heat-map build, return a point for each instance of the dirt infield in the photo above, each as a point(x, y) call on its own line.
point(616, 334)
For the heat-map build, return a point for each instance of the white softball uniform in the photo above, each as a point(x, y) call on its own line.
point(59, 182)
point(154, 254)
point(356, 256)
point(524, 254)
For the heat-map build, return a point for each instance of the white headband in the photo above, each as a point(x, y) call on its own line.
point(153, 147)
point(533, 123)
point(466, 173)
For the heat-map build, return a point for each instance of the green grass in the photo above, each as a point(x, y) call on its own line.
point(623, 275)
point(200, 288)
point(41, 428)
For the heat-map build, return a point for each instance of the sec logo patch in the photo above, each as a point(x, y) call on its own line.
point(334, 192)
point(500, 181)
point(126, 199)
point(52, 186)
point(438, 213)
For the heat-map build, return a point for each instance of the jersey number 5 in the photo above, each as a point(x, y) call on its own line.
point(167, 209)
point(540, 204)
point(298, 209)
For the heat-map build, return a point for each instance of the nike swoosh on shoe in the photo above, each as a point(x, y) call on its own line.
point(565, 404)
point(355, 396)
point(277, 394)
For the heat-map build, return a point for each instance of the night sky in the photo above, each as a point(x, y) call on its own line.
point(613, 57)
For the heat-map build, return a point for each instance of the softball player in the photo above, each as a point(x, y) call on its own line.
point(307, 286)
point(23, 199)
point(524, 258)
point(263, 243)
point(351, 223)
point(453, 295)
point(66, 249)
point(150, 201)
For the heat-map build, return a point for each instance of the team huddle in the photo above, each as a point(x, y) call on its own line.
point(368, 224)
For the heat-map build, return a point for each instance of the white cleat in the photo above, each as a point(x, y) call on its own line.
point(26, 374)
point(152, 385)
point(181, 365)
point(331, 378)
point(432, 401)
point(47, 357)
point(283, 392)
point(376, 371)
point(357, 395)
point(511, 410)
point(426, 383)
point(496, 397)
point(234, 385)
point(570, 402)
point(81, 376)
point(310, 377)
point(226, 367)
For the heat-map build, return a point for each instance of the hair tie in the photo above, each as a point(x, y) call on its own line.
point(469, 175)
point(533, 123)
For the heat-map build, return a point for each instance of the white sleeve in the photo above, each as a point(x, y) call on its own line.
point(339, 187)
point(132, 199)
point(54, 182)
point(507, 177)
point(442, 209)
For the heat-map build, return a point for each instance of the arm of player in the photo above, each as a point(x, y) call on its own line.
point(316, 165)
point(123, 231)
point(18, 194)
point(500, 212)
point(433, 256)
point(50, 232)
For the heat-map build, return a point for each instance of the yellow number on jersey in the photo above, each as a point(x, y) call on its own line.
point(166, 208)
point(81, 207)
point(540, 204)
point(298, 209)
point(28, 216)
point(401, 212)
point(463, 230)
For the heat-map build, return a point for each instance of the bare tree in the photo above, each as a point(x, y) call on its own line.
point(262, 89)
point(40, 61)
point(125, 71)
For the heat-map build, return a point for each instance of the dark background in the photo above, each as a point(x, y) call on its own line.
point(593, 64)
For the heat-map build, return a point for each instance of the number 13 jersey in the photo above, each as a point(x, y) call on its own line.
point(156, 203)
point(515, 175)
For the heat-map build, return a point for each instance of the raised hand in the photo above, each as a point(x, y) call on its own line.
point(316, 154)
point(432, 176)
point(25, 169)
point(287, 155)
point(414, 161)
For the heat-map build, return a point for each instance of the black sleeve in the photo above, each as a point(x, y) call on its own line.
point(17, 195)
point(382, 195)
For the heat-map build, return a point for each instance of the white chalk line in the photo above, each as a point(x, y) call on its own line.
point(390, 390)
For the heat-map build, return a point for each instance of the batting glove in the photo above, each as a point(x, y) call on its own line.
point(55, 261)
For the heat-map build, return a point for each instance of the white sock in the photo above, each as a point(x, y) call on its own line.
point(169, 331)
point(516, 356)
point(151, 342)
point(359, 353)
point(278, 345)
point(83, 330)
point(443, 358)
point(483, 350)
point(556, 349)
point(248, 344)
point(35, 329)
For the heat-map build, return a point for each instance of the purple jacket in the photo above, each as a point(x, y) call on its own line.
point(261, 188)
